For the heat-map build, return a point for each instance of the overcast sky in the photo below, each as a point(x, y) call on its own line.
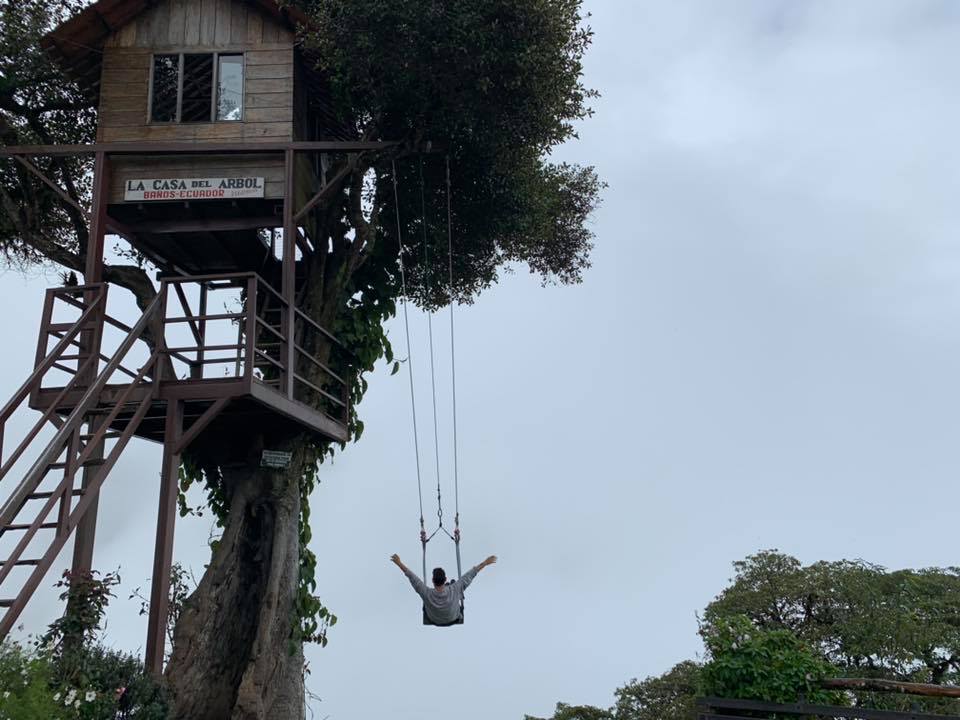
point(764, 354)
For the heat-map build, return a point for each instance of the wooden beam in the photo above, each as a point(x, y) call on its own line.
point(93, 272)
point(201, 423)
point(907, 688)
point(156, 227)
point(52, 185)
point(123, 230)
point(332, 186)
point(189, 148)
point(289, 275)
point(163, 552)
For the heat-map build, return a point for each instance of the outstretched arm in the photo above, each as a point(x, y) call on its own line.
point(414, 580)
point(472, 572)
point(395, 559)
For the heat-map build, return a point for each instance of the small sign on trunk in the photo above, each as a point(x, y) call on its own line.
point(275, 459)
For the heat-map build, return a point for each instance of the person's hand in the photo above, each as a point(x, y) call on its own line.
point(395, 559)
point(490, 560)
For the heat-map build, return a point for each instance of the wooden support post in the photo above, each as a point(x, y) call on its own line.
point(288, 288)
point(247, 330)
point(203, 332)
point(98, 219)
point(163, 553)
point(87, 527)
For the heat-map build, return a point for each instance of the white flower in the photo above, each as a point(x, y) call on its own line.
point(56, 698)
point(70, 697)
point(6, 694)
point(90, 696)
point(76, 704)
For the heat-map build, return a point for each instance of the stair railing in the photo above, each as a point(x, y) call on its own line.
point(66, 439)
point(33, 383)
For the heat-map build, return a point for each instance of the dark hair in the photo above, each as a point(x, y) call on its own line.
point(439, 576)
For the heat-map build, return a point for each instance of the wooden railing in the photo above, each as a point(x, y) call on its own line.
point(30, 508)
point(725, 709)
point(250, 338)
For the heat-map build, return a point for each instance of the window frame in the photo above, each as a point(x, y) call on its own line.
point(215, 91)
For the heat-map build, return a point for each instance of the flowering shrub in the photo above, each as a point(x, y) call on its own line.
point(111, 686)
point(26, 681)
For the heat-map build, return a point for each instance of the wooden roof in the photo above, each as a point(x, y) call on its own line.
point(77, 44)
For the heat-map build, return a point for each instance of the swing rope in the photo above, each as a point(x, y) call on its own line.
point(453, 374)
point(433, 372)
point(413, 402)
point(424, 538)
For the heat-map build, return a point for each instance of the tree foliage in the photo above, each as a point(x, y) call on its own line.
point(780, 627)
point(38, 106)
point(760, 664)
point(494, 86)
point(497, 85)
point(69, 674)
point(869, 622)
point(664, 697)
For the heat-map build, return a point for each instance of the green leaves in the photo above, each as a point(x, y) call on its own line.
point(770, 665)
point(498, 85)
point(900, 625)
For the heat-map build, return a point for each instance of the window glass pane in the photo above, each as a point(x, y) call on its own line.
point(197, 88)
point(166, 69)
point(230, 88)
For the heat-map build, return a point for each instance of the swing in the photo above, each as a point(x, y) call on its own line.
point(424, 539)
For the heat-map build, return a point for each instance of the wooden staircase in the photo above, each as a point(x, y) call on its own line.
point(52, 496)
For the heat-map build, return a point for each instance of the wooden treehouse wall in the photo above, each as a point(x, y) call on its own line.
point(197, 26)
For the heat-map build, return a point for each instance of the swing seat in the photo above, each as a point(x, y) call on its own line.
point(428, 621)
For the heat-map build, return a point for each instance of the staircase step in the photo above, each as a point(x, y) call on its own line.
point(22, 563)
point(26, 526)
point(106, 436)
point(48, 495)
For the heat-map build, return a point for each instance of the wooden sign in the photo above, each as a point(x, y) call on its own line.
point(275, 459)
point(152, 189)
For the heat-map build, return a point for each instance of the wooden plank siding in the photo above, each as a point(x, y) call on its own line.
point(174, 26)
point(132, 167)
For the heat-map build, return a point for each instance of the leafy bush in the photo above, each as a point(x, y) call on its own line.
point(104, 685)
point(26, 679)
point(769, 665)
point(68, 674)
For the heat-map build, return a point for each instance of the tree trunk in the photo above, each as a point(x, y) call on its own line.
point(233, 656)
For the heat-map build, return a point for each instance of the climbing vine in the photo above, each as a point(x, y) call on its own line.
point(360, 328)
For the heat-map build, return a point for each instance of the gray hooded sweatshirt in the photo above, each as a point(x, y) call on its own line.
point(443, 605)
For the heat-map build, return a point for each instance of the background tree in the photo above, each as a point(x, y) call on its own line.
point(780, 627)
point(498, 84)
point(665, 697)
point(902, 625)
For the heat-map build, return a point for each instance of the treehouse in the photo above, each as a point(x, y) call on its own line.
point(215, 139)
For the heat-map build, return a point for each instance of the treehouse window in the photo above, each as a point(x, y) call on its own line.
point(230, 87)
point(195, 87)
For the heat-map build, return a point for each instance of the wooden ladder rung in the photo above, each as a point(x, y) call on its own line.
point(106, 436)
point(6, 603)
point(21, 563)
point(26, 526)
point(48, 495)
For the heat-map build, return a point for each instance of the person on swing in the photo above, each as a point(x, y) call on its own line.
point(442, 602)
